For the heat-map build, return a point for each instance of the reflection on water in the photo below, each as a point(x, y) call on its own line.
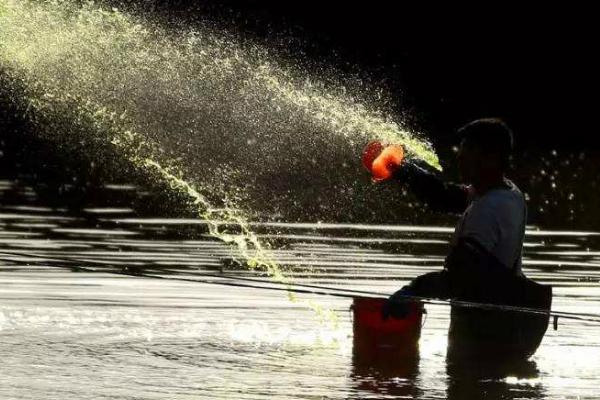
point(66, 334)
point(515, 380)
point(387, 377)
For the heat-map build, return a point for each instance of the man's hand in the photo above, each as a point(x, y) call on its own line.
point(396, 306)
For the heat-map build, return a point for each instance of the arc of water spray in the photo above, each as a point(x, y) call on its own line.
point(139, 150)
point(64, 73)
point(143, 154)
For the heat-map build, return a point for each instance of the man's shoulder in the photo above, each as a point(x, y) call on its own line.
point(509, 195)
point(501, 204)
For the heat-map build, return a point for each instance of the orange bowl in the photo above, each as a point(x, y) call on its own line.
point(370, 153)
point(384, 165)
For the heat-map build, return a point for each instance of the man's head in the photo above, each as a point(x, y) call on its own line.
point(485, 148)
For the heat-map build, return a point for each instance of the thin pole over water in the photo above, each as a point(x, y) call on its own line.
point(255, 283)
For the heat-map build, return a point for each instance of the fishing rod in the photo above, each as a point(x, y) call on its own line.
point(136, 272)
point(351, 294)
point(292, 288)
point(322, 290)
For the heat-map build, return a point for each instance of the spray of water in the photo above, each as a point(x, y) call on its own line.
point(243, 130)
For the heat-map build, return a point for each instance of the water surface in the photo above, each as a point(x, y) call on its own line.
point(68, 333)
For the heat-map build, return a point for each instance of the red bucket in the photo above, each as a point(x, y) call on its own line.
point(375, 337)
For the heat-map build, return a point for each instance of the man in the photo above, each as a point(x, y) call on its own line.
point(484, 262)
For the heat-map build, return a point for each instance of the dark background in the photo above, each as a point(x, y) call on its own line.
point(534, 66)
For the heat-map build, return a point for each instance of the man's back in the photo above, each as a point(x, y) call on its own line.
point(496, 221)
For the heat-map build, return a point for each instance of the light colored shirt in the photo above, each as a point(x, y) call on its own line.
point(496, 220)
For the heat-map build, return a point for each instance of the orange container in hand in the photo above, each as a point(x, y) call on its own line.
point(370, 153)
point(382, 160)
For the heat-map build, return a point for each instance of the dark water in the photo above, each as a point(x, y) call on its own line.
point(66, 334)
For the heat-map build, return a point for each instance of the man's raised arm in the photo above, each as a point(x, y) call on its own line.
point(432, 190)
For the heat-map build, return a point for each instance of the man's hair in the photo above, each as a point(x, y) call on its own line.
point(490, 135)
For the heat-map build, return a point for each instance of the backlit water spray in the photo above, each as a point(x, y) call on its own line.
point(224, 124)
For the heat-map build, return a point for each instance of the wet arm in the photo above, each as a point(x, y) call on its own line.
point(432, 190)
point(433, 285)
point(469, 273)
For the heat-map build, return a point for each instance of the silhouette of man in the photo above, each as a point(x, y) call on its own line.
point(484, 261)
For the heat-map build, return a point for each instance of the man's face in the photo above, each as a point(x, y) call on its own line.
point(469, 162)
